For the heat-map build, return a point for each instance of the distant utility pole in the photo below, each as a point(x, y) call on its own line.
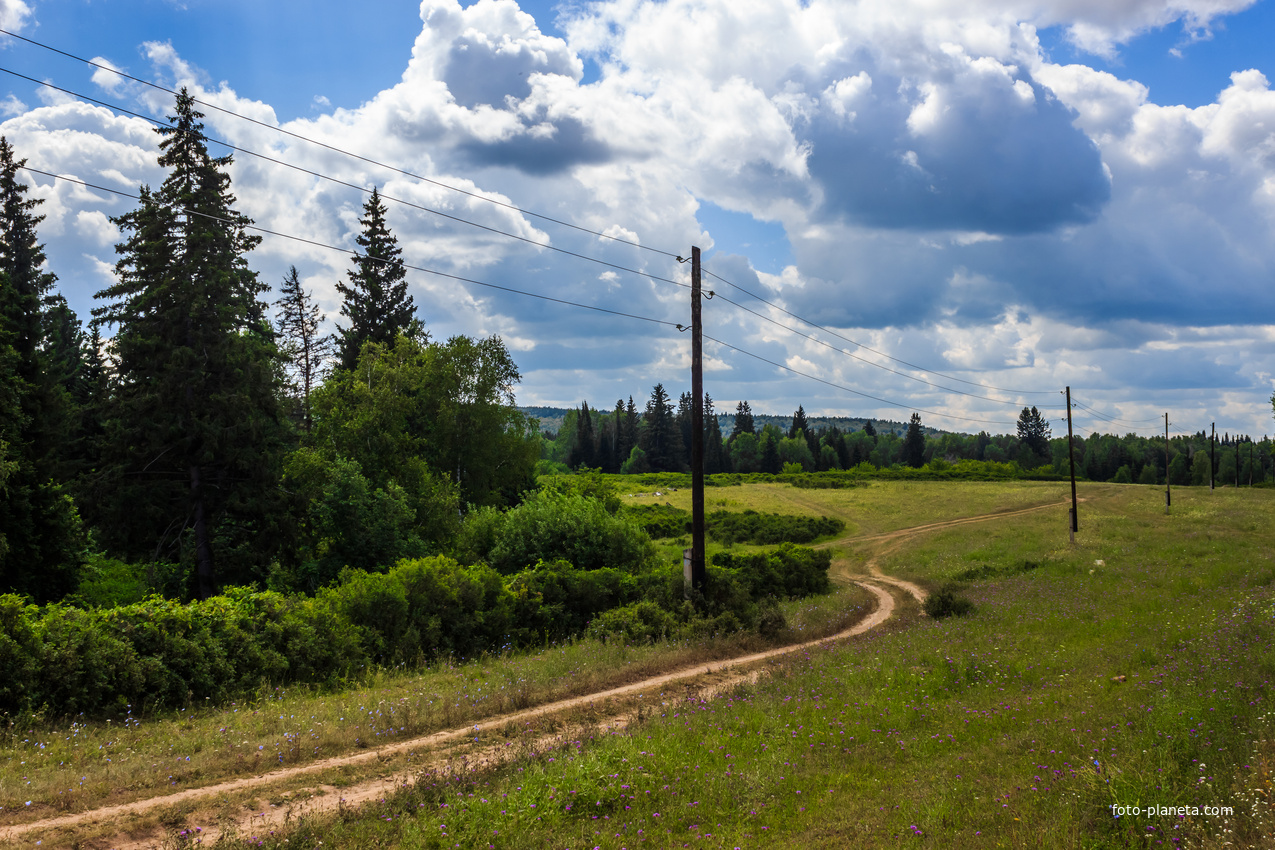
point(1071, 455)
point(1168, 500)
point(1250, 463)
point(1212, 462)
point(694, 569)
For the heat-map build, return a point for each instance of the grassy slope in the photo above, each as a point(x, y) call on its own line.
point(976, 732)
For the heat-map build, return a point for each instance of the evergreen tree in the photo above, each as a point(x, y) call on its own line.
point(714, 452)
point(584, 453)
point(619, 448)
point(659, 438)
point(376, 299)
point(869, 428)
point(1033, 430)
point(302, 346)
point(629, 433)
point(684, 418)
point(194, 425)
point(770, 461)
point(39, 527)
point(798, 423)
point(913, 451)
point(744, 421)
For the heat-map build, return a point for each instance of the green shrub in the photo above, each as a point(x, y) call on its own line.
point(765, 529)
point(788, 571)
point(640, 622)
point(555, 600)
point(659, 520)
point(550, 526)
point(946, 603)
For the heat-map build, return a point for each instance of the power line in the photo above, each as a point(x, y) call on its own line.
point(868, 348)
point(318, 244)
point(341, 151)
point(828, 345)
point(848, 389)
point(1113, 419)
point(160, 123)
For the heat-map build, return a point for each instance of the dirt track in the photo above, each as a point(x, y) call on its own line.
point(321, 798)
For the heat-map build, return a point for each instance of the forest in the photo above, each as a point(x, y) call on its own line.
point(200, 490)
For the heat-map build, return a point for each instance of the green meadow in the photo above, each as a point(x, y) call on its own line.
point(1111, 693)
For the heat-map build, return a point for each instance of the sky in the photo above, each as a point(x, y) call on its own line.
point(937, 206)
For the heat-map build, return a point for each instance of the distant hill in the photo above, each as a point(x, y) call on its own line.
point(551, 421)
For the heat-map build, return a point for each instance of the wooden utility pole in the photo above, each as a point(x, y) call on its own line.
point(1212, 462)
point(1071, 455)
point(697, 569)
point(1168, 500)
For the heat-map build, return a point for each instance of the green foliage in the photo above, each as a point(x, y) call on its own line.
point(947, 603)
point(753, 527)
point(555, 600)
point(660, 520)
point(194, 428)
point(551, 525)
point(638, 623)
point(788, 571)
point(343, 521)
point(423, 609)
point(375, 300)
point(108, 583)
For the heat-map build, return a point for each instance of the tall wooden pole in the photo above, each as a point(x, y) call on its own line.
point(1071, 455)
point(1168, 499)
point(697, 428)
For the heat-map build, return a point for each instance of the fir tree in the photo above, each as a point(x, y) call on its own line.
point(1033, 431)
point(584, 453)
point(743, 421)
point(798, 423)
point(194, 424)
point(376, 299)
point(714, 454)
point(660, 439)
point(300, 343)
point(913, 450)
point(39, 528)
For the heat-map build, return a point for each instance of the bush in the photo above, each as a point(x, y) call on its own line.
point(789, 571)
point(946, 603)
point(753, 527)
point(641, 622)
point(555, 600)
point(551, 526)
point(659, 520)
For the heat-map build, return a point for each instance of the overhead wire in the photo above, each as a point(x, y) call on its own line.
point(814, 339)
point(857, 344)
point(843, 388)
point(325, 245)
point(335, 149)
point(161, 123)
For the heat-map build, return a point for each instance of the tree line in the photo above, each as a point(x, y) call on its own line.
point(658, 439)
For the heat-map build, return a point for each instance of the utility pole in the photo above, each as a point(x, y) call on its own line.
point(1212, 462)
point(1071, 455)
point(1168, 500)
point(697, 569)
point(1250, 463)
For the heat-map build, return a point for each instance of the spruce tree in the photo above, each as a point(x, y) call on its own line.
point(302, 346)
point(913, 451)
point(660, 438)
point(714, 455)
point(376, 300)
point(798, 423)
point(743, 421)
point(584, 452)
point(1033, 430)
point(194, 424)
point(40, 542)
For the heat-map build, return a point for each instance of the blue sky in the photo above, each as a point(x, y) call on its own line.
point(1019, 196)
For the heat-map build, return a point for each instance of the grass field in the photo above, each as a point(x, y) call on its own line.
point(1133, 669)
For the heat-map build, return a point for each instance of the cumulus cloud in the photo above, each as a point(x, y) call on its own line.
point(950, 196)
